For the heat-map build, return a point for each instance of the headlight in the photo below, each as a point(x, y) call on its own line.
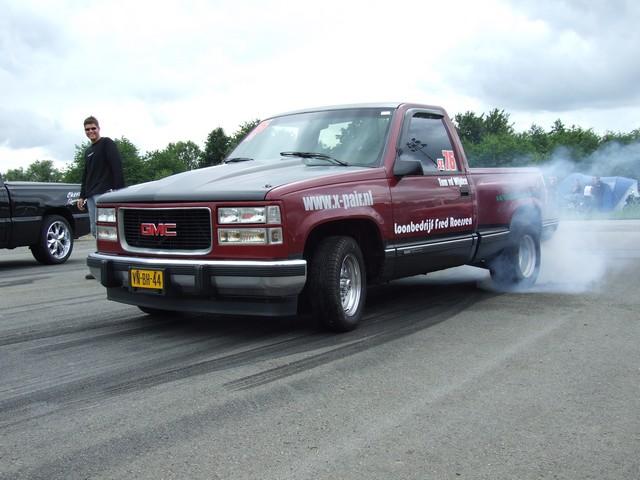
point(107, 215)
point(250, 236)
point(109, 234)
point(241, 215)
point(270, 214)
point(242, 235)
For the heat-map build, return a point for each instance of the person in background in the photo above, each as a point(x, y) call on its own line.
point(597, 192)
point(574, 199)
point(588, 197)
point(577, 188)
point(102, 171)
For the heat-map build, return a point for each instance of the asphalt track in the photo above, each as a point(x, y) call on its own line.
point(445, 379)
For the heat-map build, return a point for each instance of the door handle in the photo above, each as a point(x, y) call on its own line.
point(464, 190)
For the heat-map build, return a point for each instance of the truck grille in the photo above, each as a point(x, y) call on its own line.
point(192, 229)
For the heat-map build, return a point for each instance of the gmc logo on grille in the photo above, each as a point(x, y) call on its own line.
point(159, 230)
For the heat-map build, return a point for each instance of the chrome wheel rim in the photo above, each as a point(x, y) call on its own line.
point(58, 240)
point(350, 284)
point(527, 256)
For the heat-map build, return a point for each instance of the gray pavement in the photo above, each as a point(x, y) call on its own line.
point(446, 378)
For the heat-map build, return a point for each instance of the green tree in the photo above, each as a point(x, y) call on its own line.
point(73, 172)
point(188, 154)
point(580, 143)
point(623, 138)
point(175, 158)
point(43, 171)
point(473, 128)
point(38, 171)
point(16, 174)
point(133, 166)
point(490, 140)
point(558, 127)
point(540, 142)
point(215, 149)
point(470, 127)
point(497, 123)
point(500, 150)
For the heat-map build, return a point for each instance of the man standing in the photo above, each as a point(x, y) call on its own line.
point(102, 171)
point(597, 192)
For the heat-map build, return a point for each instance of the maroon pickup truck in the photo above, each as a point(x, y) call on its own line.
point(311, 208)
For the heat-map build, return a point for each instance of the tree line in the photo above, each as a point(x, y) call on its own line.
point(489, 139)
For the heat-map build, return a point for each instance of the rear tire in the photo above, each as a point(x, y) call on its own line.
point(518, 265)
point(56, 241)
point(338, 284)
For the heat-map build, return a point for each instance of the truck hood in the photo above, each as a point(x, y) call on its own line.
point(250, 180)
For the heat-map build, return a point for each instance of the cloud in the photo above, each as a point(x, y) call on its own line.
point(26, 36)
point(555, 56)
point(24, 129)
point(160, 72)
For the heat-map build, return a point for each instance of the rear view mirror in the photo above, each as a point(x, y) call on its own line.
point(402, 168)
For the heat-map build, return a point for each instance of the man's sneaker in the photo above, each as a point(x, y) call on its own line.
point(89, 276)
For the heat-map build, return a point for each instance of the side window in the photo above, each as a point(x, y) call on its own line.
point(425, 139)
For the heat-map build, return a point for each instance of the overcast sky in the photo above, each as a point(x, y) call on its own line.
point(159, 72)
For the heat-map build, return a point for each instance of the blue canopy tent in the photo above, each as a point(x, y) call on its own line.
point(614, 193)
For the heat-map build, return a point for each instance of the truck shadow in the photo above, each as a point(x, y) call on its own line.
point(394, 310)
point(27, 261)
point(162, 351)
point(7, 265)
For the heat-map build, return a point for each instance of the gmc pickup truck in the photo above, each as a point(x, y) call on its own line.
point(313, 206)
point(42, 216)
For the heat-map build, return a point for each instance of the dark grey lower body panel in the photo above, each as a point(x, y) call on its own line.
point(428, 256)
point(438, 254)
point(272, 307)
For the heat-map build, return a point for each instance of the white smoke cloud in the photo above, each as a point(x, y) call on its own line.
point(611, 159)
point(573, 260)
point(576, 259)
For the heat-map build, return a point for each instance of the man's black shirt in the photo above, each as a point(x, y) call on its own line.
point(102, 168)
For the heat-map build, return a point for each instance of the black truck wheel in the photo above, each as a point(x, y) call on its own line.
point(518, 265)
point(56, 241)
point(337, 283)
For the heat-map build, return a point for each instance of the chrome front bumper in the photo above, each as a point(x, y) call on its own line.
point(205, 285)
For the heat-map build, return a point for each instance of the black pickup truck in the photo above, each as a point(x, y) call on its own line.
point(43, 217)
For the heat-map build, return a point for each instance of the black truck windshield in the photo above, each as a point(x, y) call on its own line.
point(350, 136)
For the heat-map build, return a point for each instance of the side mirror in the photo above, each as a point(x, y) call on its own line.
point(402, 168)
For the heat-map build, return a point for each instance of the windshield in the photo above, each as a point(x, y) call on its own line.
point(353, 137)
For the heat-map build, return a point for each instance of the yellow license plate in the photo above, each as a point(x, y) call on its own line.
point(152, 279)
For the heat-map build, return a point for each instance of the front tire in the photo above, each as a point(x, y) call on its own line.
point(518, 265)
point(56, 241)
point(338, 284)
